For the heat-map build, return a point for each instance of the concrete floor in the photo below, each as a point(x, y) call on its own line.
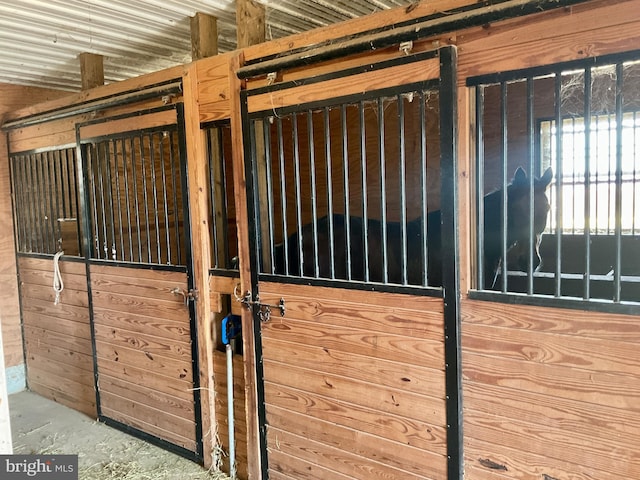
point(41, 426)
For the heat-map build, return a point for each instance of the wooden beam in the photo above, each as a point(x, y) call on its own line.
point(254, 460)
point(91, 70)
point(250, 22)
point(198, 195)
point(204, 36)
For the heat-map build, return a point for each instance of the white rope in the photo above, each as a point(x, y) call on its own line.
point(58, 284)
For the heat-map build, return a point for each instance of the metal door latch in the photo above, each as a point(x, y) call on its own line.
point(264, 309)
point(187, 295)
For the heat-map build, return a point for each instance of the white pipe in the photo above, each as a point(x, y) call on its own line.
point(232, 439)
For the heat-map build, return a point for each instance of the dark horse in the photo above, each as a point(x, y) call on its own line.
point(408, 267)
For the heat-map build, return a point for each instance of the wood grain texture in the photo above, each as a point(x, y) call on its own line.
point(57, 338)
point(364, 82)
point(353, 386)
point(549, 392)
point(143, 351)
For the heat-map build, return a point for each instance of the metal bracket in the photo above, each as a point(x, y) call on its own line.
point(264, 309)
point(187, 295)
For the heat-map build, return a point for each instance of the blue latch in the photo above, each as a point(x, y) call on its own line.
point(231, 328)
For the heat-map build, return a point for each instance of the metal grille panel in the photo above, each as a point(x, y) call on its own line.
point(135, 197)
point(45, 200)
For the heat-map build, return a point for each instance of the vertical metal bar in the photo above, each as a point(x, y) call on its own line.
point(32, 204)
point(64, 186)
point(51, 214)
point(314, 201)
point(634, 181)
point(297, 191)
point(611, 142)
point(345, 171)
point(108, 167)
point(363, 178)
point(16, 189)
point(42, 200)
point(383, 191)
point(450, 257)
point(58, 210)
point(145, 192)
point(403, 190)
point(101, 160)
point(73, 187)
point(91, 198)
point(618, 187)
point(504, 185)
point(559, 181)
point(127, 199)
point(423, 188)
point(118, 196)
point(268, 158)
point(136, 197)
point(176, 186)
point(531, 147)
point(165, 205)
point(39, 199)
point(212, 156)
point(213, 207)
point(586, 292)
point(154, 190)
point(283, 194)
point(225, 199)
point(480, 240)
point(328, 159)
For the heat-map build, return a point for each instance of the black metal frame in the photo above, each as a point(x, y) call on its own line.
point(84, 199)
point(450, 289)
point(558, 299)
point(354, 99)
point(129, 227)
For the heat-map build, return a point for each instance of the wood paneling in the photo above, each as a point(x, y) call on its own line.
point(57, 338)
point(545, 383)
point(12, 97)
point(143, 350)
point(354, 383)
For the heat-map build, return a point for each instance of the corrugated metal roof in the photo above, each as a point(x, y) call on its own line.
point(40, 40)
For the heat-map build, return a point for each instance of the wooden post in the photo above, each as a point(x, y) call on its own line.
point(91, 70)
point(250, 22)
point(198, 204)
point(204, 36)
point(248, 337)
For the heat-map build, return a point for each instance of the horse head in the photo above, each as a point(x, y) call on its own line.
point(521, 216)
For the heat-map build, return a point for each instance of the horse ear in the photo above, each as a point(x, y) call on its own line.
point(545, 179)
point(520, 177)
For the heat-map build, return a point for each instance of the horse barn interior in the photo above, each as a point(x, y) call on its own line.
point(411, 240)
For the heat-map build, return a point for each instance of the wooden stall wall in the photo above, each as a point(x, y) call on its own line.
point(547, 393)
point(355, 385)
point(13, 97)
point(57, 337)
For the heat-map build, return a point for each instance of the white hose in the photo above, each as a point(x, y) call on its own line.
point(58, 284)
point(230, 413)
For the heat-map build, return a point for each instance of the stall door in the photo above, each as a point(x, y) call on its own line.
point(136, 233)
point(356, 345)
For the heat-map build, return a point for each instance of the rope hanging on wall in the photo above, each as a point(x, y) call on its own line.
point(58, 284)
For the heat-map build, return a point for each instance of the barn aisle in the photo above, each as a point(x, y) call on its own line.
point(41, 426)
